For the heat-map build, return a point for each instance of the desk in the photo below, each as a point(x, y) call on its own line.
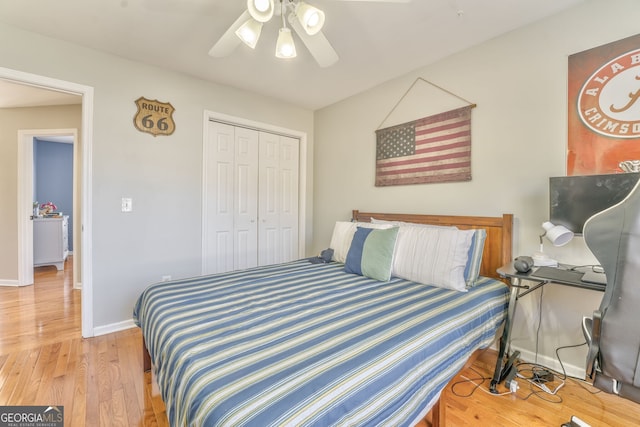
point(567, 276)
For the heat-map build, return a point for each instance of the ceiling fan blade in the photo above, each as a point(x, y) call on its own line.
point(317, 44)
point(229, 41)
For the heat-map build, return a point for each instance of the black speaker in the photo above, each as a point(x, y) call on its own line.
point(523, 264)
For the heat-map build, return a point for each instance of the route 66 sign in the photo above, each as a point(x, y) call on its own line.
point(154, 117)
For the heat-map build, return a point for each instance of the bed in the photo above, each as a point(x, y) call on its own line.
point(304, 343)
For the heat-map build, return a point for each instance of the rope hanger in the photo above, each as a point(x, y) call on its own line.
point(409, 90)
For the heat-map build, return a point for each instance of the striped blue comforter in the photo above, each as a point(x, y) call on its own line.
point(307, 344)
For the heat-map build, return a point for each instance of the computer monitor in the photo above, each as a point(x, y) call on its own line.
point(574, 199)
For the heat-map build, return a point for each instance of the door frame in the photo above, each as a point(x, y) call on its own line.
point(266, 127)
point(25, 197)
point(86, 141)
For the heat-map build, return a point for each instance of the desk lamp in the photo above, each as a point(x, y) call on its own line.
point(558, 235)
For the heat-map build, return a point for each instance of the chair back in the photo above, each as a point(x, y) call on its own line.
point(613, 236)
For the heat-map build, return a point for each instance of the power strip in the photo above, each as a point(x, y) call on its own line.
point(575, 422)
point(510, 379)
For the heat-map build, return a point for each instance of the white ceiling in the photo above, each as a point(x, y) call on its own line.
point(375, 41)
point(17, 95)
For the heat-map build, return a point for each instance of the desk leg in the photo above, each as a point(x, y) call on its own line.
point(501, 371)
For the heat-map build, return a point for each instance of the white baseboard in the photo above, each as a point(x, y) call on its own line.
point(7, 282)
point(552, 363)
point(114, 327)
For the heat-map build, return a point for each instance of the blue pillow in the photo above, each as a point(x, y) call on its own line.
point(474, 262)
point(371, 252)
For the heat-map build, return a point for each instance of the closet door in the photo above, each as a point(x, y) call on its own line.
point(245, 226)
point(231, 184)
point(250, 198)
point(278, 199)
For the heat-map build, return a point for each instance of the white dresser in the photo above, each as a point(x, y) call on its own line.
point(50, 241)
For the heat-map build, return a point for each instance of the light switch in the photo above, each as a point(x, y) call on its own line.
point(127, 204)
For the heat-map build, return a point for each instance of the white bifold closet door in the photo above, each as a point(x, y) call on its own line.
point(250, 198)
point(277, 199)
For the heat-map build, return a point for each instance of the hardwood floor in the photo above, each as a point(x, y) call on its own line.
point(44, 360)
point(529, 406)
point(100, 382)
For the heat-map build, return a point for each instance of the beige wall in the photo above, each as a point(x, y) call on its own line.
point(519, 137)
point(11, 121)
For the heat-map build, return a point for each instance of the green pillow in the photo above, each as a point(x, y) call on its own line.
point(371, 252)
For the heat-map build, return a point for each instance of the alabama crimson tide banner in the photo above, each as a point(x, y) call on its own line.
point(604, 109)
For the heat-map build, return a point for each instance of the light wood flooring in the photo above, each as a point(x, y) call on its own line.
point(44, 360)
point(99, 381)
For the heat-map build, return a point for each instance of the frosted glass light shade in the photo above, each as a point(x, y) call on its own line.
point(260, 10)
point(285, 48)
point(249, 32)
point(311, 18)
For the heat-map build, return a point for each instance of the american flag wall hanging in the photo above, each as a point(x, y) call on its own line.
point(432, 149)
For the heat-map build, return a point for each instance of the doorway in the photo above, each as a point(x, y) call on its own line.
point(27, 140)
point(83, 203)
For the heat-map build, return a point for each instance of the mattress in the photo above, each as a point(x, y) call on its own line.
point(307, 344)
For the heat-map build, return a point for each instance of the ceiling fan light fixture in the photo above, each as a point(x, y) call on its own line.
point(261, 10)
point(307, 22)
point(285, 48)
point(249, 32)
point(311, 18)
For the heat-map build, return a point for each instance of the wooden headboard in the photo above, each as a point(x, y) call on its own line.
point(497, 246)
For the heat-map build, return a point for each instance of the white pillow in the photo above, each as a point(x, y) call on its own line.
point(411, 224)
point(432, 255)
point(474, 257)
point(342, 236)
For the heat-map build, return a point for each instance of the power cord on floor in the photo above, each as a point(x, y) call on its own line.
point(480, 380)
point(577, 380)
point(477, 385)
point(539, 376)
point(564, 372)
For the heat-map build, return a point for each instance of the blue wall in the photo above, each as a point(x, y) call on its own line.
point(53, 177)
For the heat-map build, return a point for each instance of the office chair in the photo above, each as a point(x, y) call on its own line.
point(613, 332)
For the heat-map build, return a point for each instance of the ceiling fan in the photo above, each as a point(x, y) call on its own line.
point(305, 19)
